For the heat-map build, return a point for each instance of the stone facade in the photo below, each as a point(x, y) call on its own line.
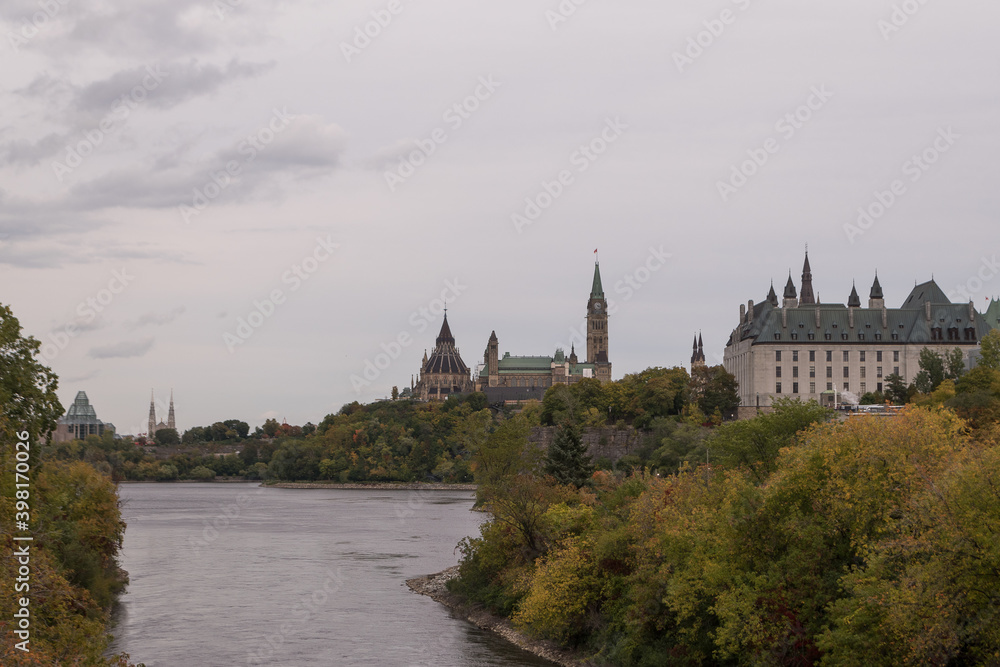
point(605, 442)
point(443, 374)
point(511, 379)
point(823, 351)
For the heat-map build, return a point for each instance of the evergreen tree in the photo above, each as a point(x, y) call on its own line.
point(567, 459)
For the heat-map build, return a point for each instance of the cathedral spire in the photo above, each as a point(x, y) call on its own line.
point(170, 414)
point(807, 297)
point(152, 415)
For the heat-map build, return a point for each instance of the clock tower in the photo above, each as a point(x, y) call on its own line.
point(597, 328)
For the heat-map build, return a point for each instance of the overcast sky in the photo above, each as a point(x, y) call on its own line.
point(629, 124)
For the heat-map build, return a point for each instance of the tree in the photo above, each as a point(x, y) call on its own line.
point(932, 371)
point(240, 428)
point(166, 437)
point(558, 405)
point(956, 364)
point(989, 350)
point(896, 390)
point(567, 459)
point(755, 443)
point(716, 389)
point(271, 426)
point(28, 398)
point(395, 392)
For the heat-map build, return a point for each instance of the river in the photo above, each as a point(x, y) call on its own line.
point(236, 574)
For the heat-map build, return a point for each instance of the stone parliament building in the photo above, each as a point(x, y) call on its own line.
point(510, 379)
point(798, 347)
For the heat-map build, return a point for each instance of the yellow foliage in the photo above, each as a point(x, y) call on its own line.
point(562, 587)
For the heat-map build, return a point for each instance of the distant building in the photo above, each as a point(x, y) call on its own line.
point(443, 374)
point(698, 353)
point(805, 349)
point(80, 421)
point(153, 426)
point(515, 379)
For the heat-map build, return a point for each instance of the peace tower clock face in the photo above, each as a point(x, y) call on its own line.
point(597, 307)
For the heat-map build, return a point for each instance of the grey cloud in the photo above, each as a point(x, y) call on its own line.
point(122, 350)
point(165, 85)
point(156, 319)
point(307, 145)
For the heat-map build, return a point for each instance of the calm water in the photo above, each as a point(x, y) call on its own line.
point(233, 574)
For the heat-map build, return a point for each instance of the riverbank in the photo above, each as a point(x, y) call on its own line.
point(375, 486)
point(434, 587)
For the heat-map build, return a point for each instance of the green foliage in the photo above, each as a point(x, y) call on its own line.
point(755, 443)
point(896, 391)
point(166, 437)
point(202, 473)
point(873, 398)
point(567, 459)
point(27, 388)
point(713, 388)
point(989, 349)
point(872, 542)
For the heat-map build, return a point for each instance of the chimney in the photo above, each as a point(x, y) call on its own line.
point(885, 318)
point(750, 311)
point(972, 312)
point(817, 318)
point(850, 317)
point(784, 318)
point(927, 310)
point(743, 314)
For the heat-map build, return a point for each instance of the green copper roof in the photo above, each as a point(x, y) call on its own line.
point(597, 291)
point(992, 314)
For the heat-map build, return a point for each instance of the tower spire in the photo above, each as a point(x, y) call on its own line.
point(152, 416)
point(807, 297)
point(597, 291)
point(170, 414)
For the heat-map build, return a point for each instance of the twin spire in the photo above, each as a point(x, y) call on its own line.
point(153, 426)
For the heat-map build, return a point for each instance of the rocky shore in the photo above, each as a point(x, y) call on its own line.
point(434, 586)
point(387, 486)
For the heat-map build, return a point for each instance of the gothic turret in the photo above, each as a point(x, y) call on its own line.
point(876, 299)
point(854, 301)
point(772, 296)
point(791, 299)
